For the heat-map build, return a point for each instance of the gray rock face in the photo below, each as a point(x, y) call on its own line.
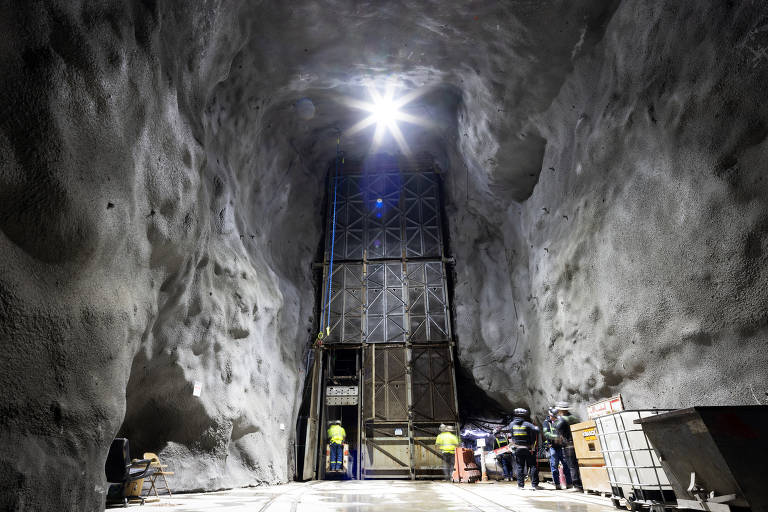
point(161, 192)
point(638, 263)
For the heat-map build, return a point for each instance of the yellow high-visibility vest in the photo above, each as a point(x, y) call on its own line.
point(336, 434)
point(447, 442)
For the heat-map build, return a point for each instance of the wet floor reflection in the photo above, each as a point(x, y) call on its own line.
point(386, 496)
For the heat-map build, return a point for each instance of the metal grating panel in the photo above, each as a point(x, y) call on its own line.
point(350, 219)
point(384, 385)
point(427, 302)
point(383, 221)
point(387, 215)
point(385, 307)
point(422, 215)
point(432, 381)
point(346, 314)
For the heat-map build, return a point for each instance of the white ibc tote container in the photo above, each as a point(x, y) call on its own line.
point(634, 469)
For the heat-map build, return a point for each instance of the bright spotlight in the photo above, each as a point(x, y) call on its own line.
point(385, 113)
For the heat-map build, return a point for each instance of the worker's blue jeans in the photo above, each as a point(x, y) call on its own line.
point(505, 461)
point(556, 456)
point(337, 456)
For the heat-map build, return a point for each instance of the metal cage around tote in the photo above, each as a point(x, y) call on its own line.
point(634, 469)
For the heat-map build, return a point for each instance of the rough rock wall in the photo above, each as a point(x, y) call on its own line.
point(638, 263)
point(139, 219)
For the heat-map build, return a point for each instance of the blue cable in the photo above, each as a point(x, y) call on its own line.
point(333, 240)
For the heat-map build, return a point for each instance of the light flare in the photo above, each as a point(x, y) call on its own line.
point(384, 110)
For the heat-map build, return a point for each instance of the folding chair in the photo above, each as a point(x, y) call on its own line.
point(160, 471)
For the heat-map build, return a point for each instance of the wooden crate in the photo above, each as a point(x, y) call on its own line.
point(586, 444)
point(595, 478)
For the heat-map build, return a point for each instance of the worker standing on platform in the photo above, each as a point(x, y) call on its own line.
point(564, 421)
point(336, 436)
point(447, 442)
point(554, 443)
point(500, 440)
point(524, 436)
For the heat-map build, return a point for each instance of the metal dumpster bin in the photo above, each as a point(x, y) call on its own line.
point(715, 456)
point(634, 470)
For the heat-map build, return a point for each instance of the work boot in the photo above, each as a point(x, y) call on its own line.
point(569, 486)
point(557, 487)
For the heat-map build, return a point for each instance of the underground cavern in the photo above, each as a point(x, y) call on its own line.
point(226, 224)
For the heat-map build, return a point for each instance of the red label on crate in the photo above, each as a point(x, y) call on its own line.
point(605, 407)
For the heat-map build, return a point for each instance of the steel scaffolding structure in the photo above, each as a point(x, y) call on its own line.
point(389, 304)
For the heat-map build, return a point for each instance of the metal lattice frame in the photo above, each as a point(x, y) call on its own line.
point(385, 384)
point(432, 381)
point(388, 215)
point(422, 215)
point(347, 301)
point(385, 304)
point(427, 302)
point(389, 296)
point(384, 217)
point(379, 303)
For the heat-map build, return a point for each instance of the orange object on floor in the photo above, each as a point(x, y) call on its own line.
point(464, 467)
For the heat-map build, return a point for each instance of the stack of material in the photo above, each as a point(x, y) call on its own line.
point(464, 467)
point(594, 477)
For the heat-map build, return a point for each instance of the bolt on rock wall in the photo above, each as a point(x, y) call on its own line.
point(638, 264)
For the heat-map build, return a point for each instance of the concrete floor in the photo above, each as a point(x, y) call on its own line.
point(384, 496)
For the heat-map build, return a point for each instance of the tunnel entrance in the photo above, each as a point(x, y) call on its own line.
point(386, 365)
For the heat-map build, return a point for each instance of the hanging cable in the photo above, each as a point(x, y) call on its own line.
point(327, 309)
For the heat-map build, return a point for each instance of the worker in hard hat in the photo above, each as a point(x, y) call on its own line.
point(336, 436)
point(447, 442)
point(563, 426)
point(554, 444)
point(524, 436)
point(500, 440)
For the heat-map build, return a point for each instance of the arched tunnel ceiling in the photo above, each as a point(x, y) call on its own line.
point(488, 68)
point(160, 202)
